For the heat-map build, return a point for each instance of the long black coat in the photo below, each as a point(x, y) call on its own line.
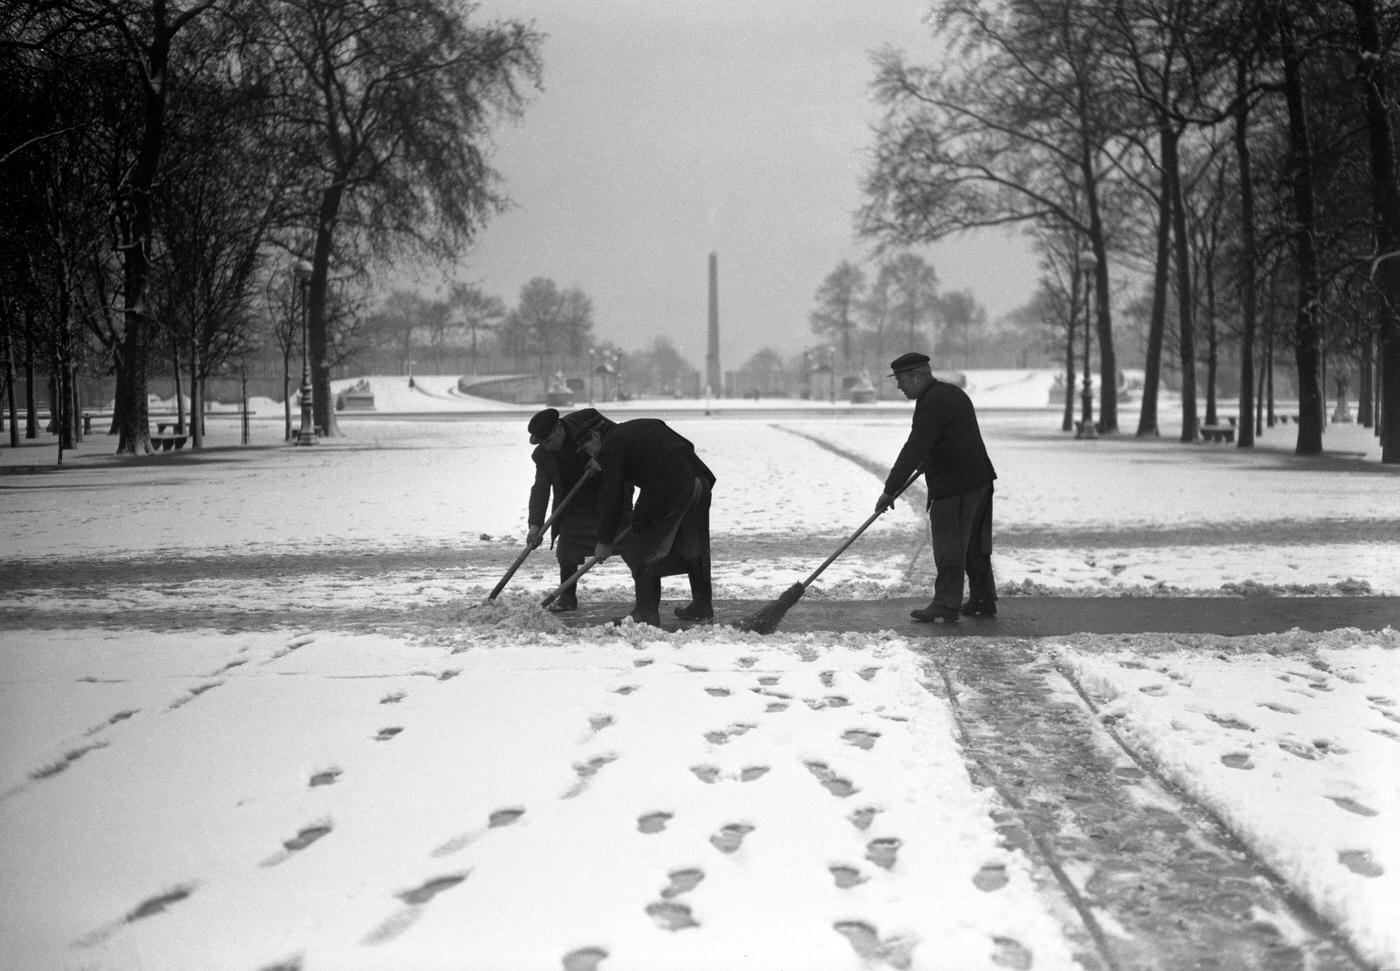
point(575, 532)
point(945, 438)
point(662, 464)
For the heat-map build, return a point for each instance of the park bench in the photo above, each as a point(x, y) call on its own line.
point(1218, 433)
point(164, 441)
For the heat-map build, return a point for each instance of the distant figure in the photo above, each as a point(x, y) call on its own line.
point(946, 441)
point(670, 521)
point(559, 464)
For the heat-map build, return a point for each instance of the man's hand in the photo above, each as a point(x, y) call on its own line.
point(884, 502)
point(533, 537)
point(602, 551)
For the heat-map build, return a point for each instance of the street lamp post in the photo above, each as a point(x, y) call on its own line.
point(306, 435)
point(1086, 424)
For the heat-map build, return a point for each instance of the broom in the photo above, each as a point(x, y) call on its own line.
point(766, 620)
point(587, 474)
point(588, 565)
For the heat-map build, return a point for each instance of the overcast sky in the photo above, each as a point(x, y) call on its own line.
point(670, 129)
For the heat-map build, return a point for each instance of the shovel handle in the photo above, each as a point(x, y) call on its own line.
point(588, 472)
point(589, 564)
point(856, 535)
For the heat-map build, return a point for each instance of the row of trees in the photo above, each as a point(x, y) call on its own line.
point(1233, 153)
point(897, 302)
point(174, 173)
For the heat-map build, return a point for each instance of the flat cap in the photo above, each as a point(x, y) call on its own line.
point(908, 362)
point(542, 424)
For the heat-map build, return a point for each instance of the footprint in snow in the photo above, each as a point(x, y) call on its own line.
point(653, 822)
point(304, 838)
point(860, 738)
point(882, 852)
point(866, 942)
point(1361, 863)
point(671, 916)
point(862, 818)
point(834, 784)
point(682, 881)
point(731, 837)
point(991, 877)
point(416, 899)
point(584, 959)
point(586, 771)
point(846, 876)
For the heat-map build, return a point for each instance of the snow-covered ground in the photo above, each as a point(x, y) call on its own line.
point(271, 777)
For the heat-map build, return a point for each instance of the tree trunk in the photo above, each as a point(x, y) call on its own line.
point(180, 427)
point(1108, 360)
point(196, 393)
point(10, 382)
point(1068, 423)
point(1307, 327)
point(1152, 376)
point(1385, 201)
point(1186, 337)
point(1363, 390)
point(1212, 346)
point(323, 413)
point(31, 404)
point(1249, 256)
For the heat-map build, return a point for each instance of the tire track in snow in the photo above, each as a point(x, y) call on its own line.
point(1152, 877)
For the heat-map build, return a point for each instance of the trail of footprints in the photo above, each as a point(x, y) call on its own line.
point(1306, 684)
point(669, 911)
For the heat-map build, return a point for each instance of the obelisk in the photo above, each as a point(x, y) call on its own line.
point(712, 373)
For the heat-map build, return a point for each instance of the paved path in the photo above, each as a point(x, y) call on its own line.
point(1060, 616)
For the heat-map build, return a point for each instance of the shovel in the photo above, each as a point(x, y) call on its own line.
point(588, 565)
point(588, 472)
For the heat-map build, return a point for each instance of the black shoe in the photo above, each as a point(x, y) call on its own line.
point(936, 614)
point(980, 608)
point(695, 613)
point(562, 606)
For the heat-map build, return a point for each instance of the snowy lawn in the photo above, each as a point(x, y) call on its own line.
point(340, 793)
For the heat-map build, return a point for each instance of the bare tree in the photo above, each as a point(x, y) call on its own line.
point(838, 300)
point(385, 104)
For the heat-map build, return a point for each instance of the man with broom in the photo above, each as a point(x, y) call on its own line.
point(670, 532)
point(560, 463)
point(945, 439)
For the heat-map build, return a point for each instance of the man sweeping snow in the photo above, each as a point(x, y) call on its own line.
point(670, 531)
point(945, 439)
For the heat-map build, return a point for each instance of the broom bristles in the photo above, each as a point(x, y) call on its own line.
point(766, 620)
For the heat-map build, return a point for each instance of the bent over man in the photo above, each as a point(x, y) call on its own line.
point(560, 463)
point(670, 521)
point(945, 440)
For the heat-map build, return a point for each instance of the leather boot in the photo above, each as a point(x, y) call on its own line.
point(701, 606)
point(648, 595)
point(568, 600)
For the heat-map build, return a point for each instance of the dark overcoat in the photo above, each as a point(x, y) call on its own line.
point(945, 439)
point(575, 531)
point(671, 517)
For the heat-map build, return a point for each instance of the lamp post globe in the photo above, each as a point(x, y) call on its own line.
point(306, 435)
point(1090, 263)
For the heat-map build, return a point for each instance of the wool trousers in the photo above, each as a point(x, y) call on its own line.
point(960, 530)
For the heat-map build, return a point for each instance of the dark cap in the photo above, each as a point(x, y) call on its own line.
point(542, 424)
point(907, 362)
